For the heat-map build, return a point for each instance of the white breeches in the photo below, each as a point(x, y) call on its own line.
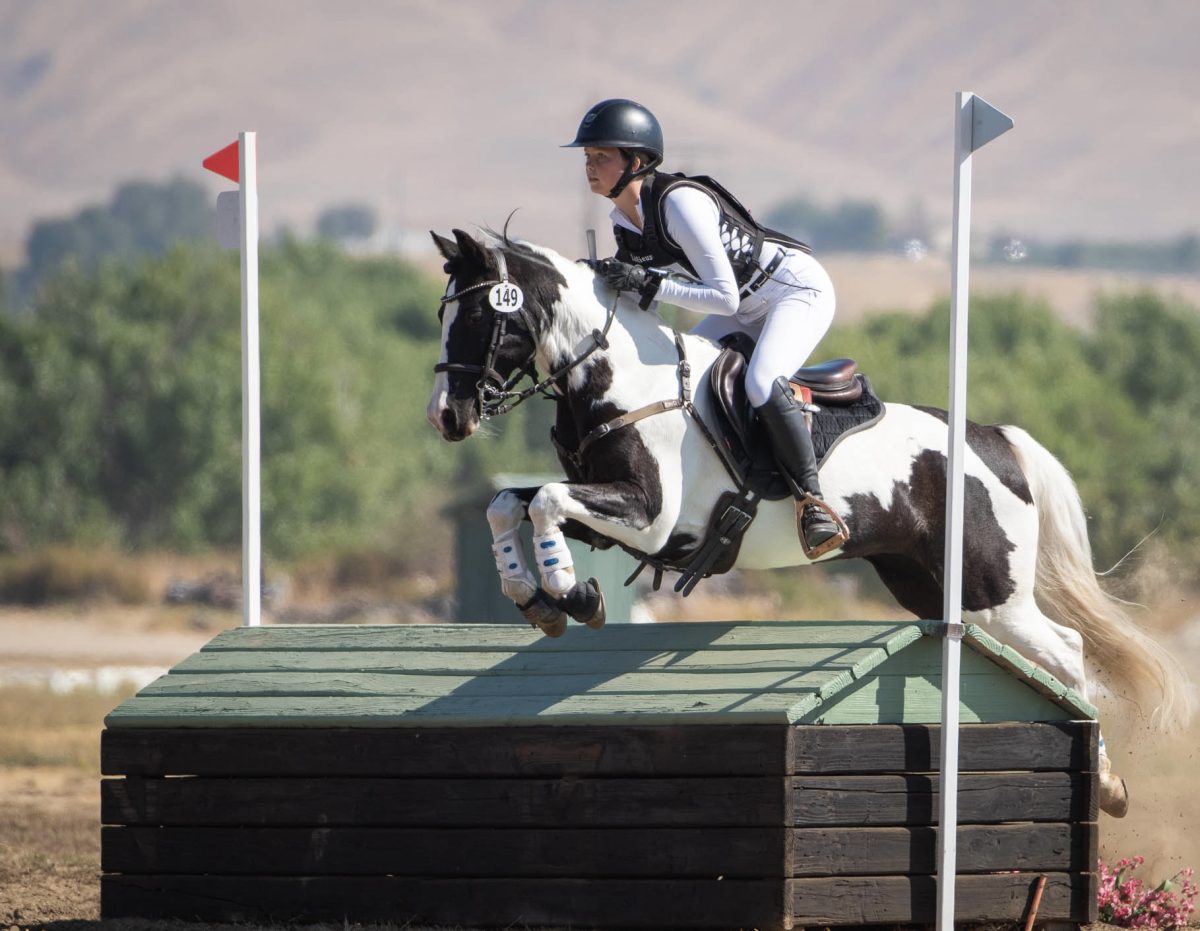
point(788, 316)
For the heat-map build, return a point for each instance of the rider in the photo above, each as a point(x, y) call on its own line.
point(747, 279)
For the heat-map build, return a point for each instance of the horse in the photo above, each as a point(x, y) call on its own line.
point(643, 472)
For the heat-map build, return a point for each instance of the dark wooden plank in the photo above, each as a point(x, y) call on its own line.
point(1046, 848)
point(564, 853)
point(713, 903)
point(570, 802)
point(884, 748)
point(516, 751)
point(869, 900)
point(983, 798)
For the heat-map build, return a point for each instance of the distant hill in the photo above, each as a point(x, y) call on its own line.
point(441, 114)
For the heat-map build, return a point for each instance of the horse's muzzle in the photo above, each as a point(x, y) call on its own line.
point(454, 418)
point(457, 421)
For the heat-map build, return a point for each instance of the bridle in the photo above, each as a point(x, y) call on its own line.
point(496, 394)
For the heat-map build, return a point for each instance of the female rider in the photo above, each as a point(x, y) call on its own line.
point(747, 278)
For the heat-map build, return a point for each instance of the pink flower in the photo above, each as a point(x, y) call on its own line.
point(1124, 901)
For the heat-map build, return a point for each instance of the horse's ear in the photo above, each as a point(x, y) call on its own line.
point(448, 248)
point(470, 249)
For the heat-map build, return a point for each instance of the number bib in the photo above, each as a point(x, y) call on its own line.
point(506, 298)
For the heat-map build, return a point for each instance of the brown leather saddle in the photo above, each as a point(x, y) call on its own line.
point(839, 401)
point(835, 384)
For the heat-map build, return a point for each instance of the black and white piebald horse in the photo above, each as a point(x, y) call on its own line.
point(644, 473)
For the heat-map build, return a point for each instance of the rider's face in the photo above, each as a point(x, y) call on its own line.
point(604, 168)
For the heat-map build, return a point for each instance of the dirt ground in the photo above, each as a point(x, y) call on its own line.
point(49, 759)
point(56, 672)
point(50, 838)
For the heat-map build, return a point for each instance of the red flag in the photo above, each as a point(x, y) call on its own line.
point(225, 163)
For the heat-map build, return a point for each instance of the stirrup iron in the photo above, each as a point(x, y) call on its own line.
point(839, 539)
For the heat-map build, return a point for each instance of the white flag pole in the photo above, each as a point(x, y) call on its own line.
point(251, 476)
point(976, 123)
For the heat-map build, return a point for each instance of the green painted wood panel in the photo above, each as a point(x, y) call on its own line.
point(904, 691)
point(471, 637)
point(510, 663)
point(437, 686)
point(451, 711)
point(918, 700)
point(832, 672)
point(1012, 662)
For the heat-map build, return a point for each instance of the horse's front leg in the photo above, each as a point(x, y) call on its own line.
point(505, 513)
point(615, 510)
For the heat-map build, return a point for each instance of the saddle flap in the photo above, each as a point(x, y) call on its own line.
point(736, 427)
point(727, 380)
point(843, 395)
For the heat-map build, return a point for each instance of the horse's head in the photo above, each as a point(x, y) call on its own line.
point(487, 347)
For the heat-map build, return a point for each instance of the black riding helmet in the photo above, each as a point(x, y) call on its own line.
point(626, 125)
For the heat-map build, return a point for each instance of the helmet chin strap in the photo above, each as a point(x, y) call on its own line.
point(628, 175)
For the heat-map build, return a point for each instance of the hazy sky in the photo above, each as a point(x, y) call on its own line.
point(451, 113)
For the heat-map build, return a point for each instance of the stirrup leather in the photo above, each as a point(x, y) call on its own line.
point(841, 538)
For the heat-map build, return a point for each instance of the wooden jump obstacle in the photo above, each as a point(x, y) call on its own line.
point(768, 775)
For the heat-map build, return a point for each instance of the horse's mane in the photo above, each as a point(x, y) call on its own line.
point(539, 255)
point(565, 274)
point(576, 277)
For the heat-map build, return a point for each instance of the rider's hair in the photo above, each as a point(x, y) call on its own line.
point(644, 158)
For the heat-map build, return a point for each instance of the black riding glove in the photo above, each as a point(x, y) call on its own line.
point(623, 276)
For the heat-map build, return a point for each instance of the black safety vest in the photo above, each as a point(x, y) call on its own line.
point(742, 235)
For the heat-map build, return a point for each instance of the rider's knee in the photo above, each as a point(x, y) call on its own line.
point(759, 385)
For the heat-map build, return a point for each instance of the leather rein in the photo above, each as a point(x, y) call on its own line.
point(496, 394)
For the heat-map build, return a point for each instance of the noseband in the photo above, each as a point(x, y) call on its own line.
point(495, 394)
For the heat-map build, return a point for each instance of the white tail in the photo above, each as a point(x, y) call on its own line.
point(1068, 591)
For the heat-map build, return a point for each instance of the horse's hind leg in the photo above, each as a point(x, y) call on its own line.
point(1058, 650)
point(911, 584)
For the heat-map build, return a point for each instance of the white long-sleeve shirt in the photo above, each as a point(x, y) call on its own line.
point(693, 220)
point(788, 315)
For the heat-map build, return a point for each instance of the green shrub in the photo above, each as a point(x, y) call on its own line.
point(1116, 403)
point(59, 574)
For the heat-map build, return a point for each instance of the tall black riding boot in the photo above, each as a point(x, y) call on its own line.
point(792, 444)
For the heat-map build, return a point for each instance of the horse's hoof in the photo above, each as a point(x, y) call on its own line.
point(1114, 795)
point(596, 621)
point(556, 627)
point(585, 603)
point(543, 613)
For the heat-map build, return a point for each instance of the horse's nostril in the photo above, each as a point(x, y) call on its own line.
point(449, 419)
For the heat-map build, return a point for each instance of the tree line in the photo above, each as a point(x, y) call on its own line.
point(120, 404)
point(146, 218)
point(120, 392)
point(1115, 402)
